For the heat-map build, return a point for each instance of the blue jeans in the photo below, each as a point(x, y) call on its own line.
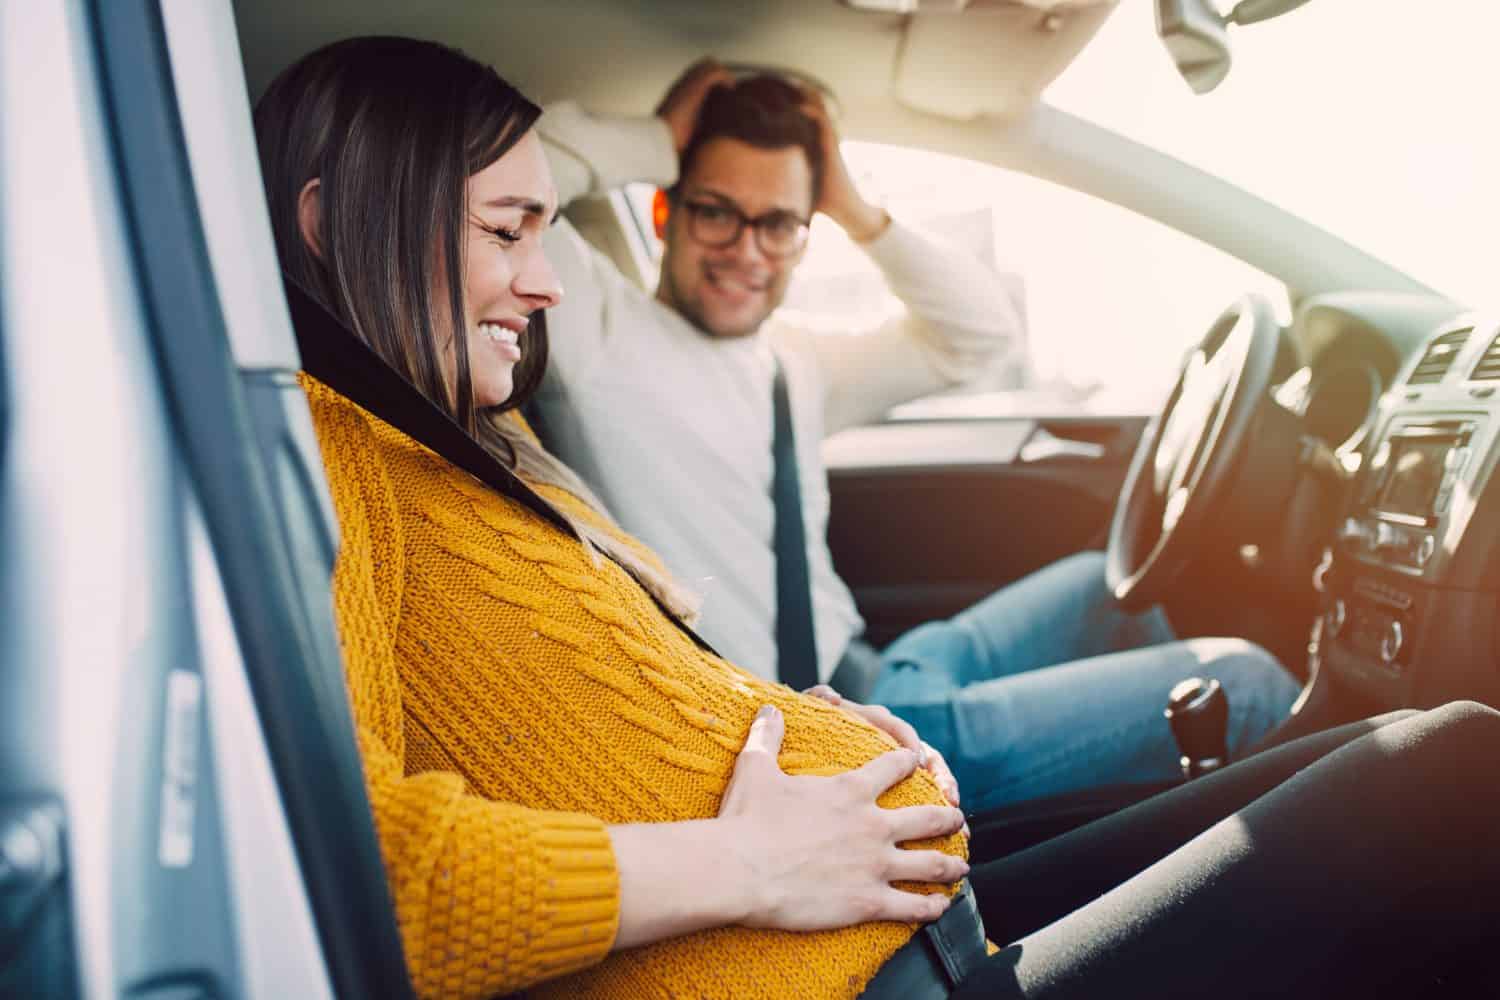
point(1047, 687)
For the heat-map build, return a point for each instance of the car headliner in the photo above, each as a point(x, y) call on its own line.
point(966, 83)
point(993, 58)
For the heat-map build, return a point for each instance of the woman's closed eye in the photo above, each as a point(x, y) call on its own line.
point(505, 237)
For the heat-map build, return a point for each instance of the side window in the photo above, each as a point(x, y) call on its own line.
point(1113, 299)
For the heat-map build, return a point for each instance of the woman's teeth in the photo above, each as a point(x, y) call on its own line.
point(498, 333)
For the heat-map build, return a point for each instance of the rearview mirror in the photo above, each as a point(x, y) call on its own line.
point(1197, 35)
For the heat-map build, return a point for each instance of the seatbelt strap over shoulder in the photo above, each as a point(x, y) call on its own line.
point(796, 641)
point(333, 355)
point(340, 360)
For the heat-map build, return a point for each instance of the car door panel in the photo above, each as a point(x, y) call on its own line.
point(930, 516)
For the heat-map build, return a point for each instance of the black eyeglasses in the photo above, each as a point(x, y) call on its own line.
point(718, 224)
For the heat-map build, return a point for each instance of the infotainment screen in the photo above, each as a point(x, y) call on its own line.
point(1416, 466)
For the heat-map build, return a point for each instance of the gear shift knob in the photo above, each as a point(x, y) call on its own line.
point(1198, 711)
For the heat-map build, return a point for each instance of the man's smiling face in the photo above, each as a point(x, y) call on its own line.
point(729, 291)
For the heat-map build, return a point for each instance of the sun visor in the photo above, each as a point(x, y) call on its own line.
point(992, 58)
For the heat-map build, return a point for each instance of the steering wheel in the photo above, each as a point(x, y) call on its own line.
point(1189, 453)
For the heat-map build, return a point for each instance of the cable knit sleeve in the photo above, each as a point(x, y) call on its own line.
point(491, 897)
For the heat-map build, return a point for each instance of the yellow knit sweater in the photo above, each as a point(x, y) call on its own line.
point(513, 696)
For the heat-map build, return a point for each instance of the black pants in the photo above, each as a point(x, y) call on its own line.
point(1363, 861)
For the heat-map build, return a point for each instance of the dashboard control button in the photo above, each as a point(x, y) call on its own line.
point(1338, 614)
point(1390, 643)
point(1320, 571)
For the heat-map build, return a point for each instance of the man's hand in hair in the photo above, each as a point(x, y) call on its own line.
point(840, 199)
point(679, 109)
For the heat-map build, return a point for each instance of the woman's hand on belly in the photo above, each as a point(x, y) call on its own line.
point(902, 732)
point(818, 852)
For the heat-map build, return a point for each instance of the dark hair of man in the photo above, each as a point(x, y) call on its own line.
point(760, 111)
point(393, 128)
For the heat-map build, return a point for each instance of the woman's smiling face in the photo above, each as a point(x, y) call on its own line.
point(507, 277)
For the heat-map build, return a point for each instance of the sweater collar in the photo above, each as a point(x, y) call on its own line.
point(336, 357)
point(333, 355)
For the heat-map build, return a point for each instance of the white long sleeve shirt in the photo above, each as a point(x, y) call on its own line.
point(673, 427)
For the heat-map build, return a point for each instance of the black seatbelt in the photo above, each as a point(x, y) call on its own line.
point(796, 645)
point(334, 356)
point(340, 360)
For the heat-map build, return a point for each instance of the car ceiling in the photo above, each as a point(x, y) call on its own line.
point(990, 59)
point(962, 82)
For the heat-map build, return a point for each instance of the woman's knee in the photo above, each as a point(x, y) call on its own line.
point(1443, 750)
point(1465, 713)
point(1463, 724)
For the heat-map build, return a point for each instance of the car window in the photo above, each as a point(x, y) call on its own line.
point(1330, 112)
point(1112, 299)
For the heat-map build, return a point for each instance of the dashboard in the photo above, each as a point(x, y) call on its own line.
point(1411, 580)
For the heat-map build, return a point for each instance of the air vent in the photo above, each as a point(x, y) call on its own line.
point(1439, 357)
point(1488, 368)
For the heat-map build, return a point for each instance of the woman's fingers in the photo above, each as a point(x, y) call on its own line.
point(910, 907)
point(922, 822)
point(756, 761)
point(924, 866)
point(820, 852)
point(766, 732)
point(826, 693)
point(943, 774)
point(874, 778)
point(901, 730)
point(881, 718)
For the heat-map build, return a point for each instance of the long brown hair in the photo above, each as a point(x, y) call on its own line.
point(393, 128)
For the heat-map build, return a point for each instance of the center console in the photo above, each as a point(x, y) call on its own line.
point(1392, 535)
point(1411, 598)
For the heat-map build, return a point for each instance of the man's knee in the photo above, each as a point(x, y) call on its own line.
point(1237, 659)
point(1254, 680)
point(1229, 651)
point(1080, 575)
point(1088, 563)
point(931, 646)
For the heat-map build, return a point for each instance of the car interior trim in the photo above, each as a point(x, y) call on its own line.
point(304, 712)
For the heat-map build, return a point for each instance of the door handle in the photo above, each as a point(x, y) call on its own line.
point(1043, 445)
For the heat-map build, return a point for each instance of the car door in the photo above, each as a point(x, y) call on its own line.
point(930, 514)
point(182, 806)
point(952, 497)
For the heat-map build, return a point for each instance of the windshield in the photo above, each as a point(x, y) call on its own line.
point(1374, 120)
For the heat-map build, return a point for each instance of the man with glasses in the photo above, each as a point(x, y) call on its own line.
point(699, 419)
